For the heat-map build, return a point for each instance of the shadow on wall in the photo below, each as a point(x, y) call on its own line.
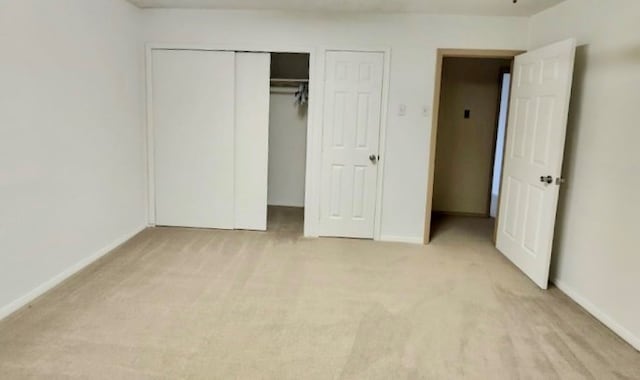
point(570, 159)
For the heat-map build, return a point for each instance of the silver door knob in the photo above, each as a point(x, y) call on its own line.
point(373, 158)
point(548, 179)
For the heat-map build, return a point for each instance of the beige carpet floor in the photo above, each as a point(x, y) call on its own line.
point(187, 303)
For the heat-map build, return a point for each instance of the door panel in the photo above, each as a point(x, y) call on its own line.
point(535, 146)
point(251, 140)
point(193, 121)
point(351, 130)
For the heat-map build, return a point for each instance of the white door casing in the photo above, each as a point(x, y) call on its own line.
point(350, 143)
point(534, 149)
point(193, 134)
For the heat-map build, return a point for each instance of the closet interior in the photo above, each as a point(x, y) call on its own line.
point(288, 109)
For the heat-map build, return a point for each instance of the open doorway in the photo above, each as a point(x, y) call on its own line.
point(288, 110)
point(534, 145)
point(470, 115)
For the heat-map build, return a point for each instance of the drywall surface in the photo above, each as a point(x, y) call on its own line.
point(287, 149)
point(464, 150)
point(596, 254)
point(71, 154)
point(413, 40)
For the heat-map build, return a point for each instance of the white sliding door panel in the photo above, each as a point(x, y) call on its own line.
point(251, 140)
point(351, 133)
point(541, 88)
point(193, 129)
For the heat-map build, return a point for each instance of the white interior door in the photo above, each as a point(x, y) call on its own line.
point(252, 140)
point(533, 158)
point(351, 132)
point(193, 129)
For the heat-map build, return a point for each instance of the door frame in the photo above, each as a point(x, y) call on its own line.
point(495, 146)
point(440, 55)
point(384, 109)
point(313, 164)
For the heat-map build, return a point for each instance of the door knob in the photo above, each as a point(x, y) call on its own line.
point(548, 179)
point(373, 158)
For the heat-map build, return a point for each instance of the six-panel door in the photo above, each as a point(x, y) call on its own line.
point(350, 143)
point(533, 157)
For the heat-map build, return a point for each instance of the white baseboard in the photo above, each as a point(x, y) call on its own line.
point(603, 317)
point(15, 305)
point(402, 239)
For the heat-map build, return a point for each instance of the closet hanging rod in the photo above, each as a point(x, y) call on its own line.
point(289, 80)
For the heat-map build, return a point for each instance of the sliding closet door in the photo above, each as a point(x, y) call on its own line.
point(252, 140)
point(193, 129)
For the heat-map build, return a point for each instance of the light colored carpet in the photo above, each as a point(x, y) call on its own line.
point(186, 303)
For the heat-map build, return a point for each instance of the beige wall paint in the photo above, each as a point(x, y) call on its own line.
point(596, 253)
point(464, 150)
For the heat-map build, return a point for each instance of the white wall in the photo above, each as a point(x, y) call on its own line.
point(287, 150)
point(71, 147)
point(413, 40)
point(597, 257)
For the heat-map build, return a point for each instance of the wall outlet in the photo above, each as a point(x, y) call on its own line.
point(402, 110)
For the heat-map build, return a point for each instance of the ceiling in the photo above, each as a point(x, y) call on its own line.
point(470, 7)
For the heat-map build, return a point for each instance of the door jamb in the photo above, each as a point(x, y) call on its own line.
point(440, 55)
point(494, 238)
point(505, 70)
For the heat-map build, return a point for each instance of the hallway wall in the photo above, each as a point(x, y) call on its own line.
point(465, 146)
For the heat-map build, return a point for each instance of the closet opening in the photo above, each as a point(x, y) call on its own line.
point(288, 112)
